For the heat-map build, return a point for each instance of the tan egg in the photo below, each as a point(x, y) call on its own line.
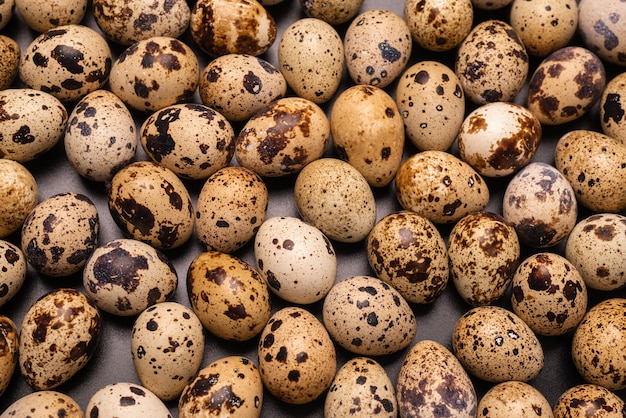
point(611, 108)
point(19, 194)
point(8, 351)
point(514, 399)
point(6, 12)
point(334, 12)
point(603, 30)
point(368, 132)
point(491, 4)
point(439, 25)
point(586, 400)
point(39, 404)
point(41, 16)
point(10, 51)
point(124, 399)
point(13, 269)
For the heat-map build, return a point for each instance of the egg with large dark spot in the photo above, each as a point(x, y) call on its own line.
point(12, 271)
point(126, 399)
point(602, 29)
point(612, 105)
point(586, 400)
point(8, 351)
point(439, 25)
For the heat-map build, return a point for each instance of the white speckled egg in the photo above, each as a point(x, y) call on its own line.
point(41, 16)
point(514, 399)
point(124, 399)
point(6, 12)
point(8, 351)
point(439, 25)
point(40, 404)
point(10, 51)
point(18, 193)
point(611, 107)
point(602, 29)
point(585, 400)
point(334, 12)
point(12, 271)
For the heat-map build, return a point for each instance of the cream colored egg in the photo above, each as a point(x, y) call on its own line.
point(602, 29)
point(10, 51)
point(334, 12)
point(611, 108)
point(124, 399)
point(19, 194)
point(8, 351)
point(6, 12)
point(39, 404)
point(584, 400)
point(41, 16)
point(514, 399)
point(13, 268)
point(439, 25)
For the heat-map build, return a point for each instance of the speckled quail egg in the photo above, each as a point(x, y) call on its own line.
point(6, 12)
point(229, 386)
point(124, 399)
point(602, 29)
point(58, 336)
point(150, 203)
point(587, 400)
point(8, 351)
point(10, 51)
point(167, 346)
point(60, 234)
point(124, 277)
point(19, 195)
point(12, 271)
point(491, 4)
point(67, 62)
point(334, 12)
point(378, 47)
point(439, 25)
point(432, 382)
point(40, 404)
point(495, 345)
point(297, 358)
point(41, 16)
point(514, 399)
point(611, 108)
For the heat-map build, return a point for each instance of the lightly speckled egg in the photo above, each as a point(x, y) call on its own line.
point(124, 399)
point(334, 12)
point(432, 382)
point(124, 276)
point(587, 400)
point(151, 204)
point(361, 388)
point(368, 132)
point(440, 187)
point(8, 351)
point(100, 137)
point(229, 386)
point(431, 101)
point(10, 51)
point(366, 316)
point(167, 346)
point(514, 399)
point(12, 271)
point(297, 358)
point(333, 196)
point(296, 259)
point(228, 295)
point(311, 58)
point(378, 47)
point(60, 234)
point(67, 62)
point(40, 404)
point(41, 16)
point(611, 107)
point(541, 205)
point(439, 25)
point(239, 85)
point(58, 336)
point(19, 194)
point(495, 345)
point(6, 12)
point(602, 29)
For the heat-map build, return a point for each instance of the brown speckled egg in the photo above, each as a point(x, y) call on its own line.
point(602, 29)
point(514, 399)
point(12, 271)
point(587, 400)
point(19, 194)
point(541, 205)
point(334, 12)
point(297, 358)
point(8, 351)
point(484, 252)
point(491, 4)
point(229, 296)
point(612, 106)
point(495, 345)
point(378, 47)
point(192, 140)
point(124, 277)
point(432, 382)
point(40, 404)
point(7, 8)
point(150, 203)
point(41, 16)
point(407, 251)
point(60, 234)
point(440, 187)
point(59, 335)
point(123, 399)
point(10, 52)
point(439, 25)
point(368, 317)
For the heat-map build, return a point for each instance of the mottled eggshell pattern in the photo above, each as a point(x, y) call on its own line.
point(60, 234)
point(19, 195)
point(440, 187)
point(167, 346)
point(541, 205)
point(12, 271)
point(230, 386)
point(6, 12)
point(40, 404)
point(611, 106)
point(361, 386)
point(491, 4)
point(67, 62)
point(58, 336)
point(297, 358)
point(378, 46)
point(514, 399)
point(283, 137)
point(124, 399)
point(124, 277)
point(10, 51)
point(41, 16)
point(495, 345)
point(368, 317)
point(432, 382)
point(333, 196)
point(8, 351)
point(228, 295)
point(602, 29)
point(439, 25)
point(296, 259)
point(150, 203)
point(587, 400)
point(334, 12)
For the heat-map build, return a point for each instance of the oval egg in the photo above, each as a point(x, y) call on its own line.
point(13, 269)
point(6, 13)
point(126, 399)
point(581, 400)
point(8, 351)
point(611, 106)
point(514, 399)
point(19, 194)
point(42, 16)
point(438, 25)
point(334, 12)
point(10, 51)
point(39, 404)
point(602, 29)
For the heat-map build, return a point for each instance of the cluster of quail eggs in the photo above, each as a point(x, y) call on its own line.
point(289, 207)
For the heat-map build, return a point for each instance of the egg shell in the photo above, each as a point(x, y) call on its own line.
point(192, 140)
point(334, 12)
point(495, 345)
point(611, 108)
point(151, 204)
point(42, 16)
point(541, 205)
point(13, 269)
point(440, 187)
point(100, 137)
point(155, 73)
point(58, 336)
point(230, 386)
point(124, 277)
point(228, 295)
point(361, 386)
point(586, 400)
point(18, 193)
point(514, 399)
point(491, 4)
point(378, 47)
point(239, 85)
point(296, 259)
point(595, 165)
point(333, 196)
point(439, 25)
point(601, 30)
point(6, 12)
point(297, 358)
point(60, 234)
point(498, 139)
point(431, 101)
point(39, 405)
point(431, 382)
point(565, 85)
point(124, 399)
point(167, 346)
point(599, 344)
point(484, 253)
point(37, 123)
point(366, 316)
point(10, 51)
point(67, 62)
point(8, 351)
point(368, 132)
